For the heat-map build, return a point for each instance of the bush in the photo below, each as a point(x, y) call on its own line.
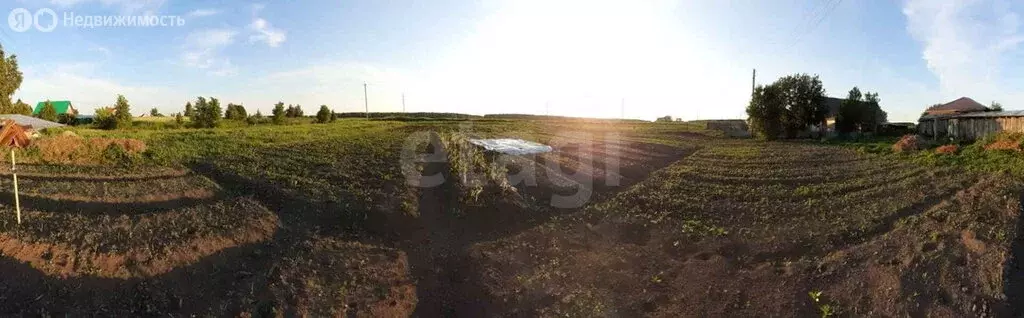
point(115, 154)
point(908, 143)
point(947, 149)
point(105, 118)
point(324, 115)
point(67, 119)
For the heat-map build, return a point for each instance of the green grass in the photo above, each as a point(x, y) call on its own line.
point(972, 155)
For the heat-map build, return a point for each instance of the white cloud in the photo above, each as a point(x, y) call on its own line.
point(965, 42)
point(203, 50)
point(266, 33)
point(81, 84)
point(199, 13)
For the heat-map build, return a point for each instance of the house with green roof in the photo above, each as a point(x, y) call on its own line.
point(62, 107)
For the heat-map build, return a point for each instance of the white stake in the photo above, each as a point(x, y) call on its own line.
point(17, 203)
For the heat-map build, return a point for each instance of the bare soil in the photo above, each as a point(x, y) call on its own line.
point(658, 223)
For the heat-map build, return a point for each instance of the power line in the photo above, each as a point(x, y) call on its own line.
point(817, 22)
point(803, 22)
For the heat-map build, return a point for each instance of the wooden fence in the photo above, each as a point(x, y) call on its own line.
point(969, 127)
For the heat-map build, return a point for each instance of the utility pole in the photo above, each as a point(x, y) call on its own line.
point(366, 102)
point(403, 102)
point(547, 108)
point(753, 82)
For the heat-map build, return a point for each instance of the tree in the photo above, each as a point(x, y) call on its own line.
point(873, 116)
point(235, 112)
point(189, 111)
point(48, 112)
point(803, 97)
point(664, 119)
point(19, 107)
point(293, 111)
point(207, 113)
point(323, 115)
point(765, 111)
point(10, 80)
point(179, 120)
point(122, 113)
point(334, 116)
point(252, 120)
point(790, 105)
point(996, 106)
point(850, 112)
point(279, 113)
point(258, 115)
point(155, 113)
point(105, 118)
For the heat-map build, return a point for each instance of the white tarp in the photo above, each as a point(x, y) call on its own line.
point(511, 146)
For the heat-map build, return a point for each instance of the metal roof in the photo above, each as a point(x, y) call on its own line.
point(62, 106)
point(35, 123)
point(1008, 113)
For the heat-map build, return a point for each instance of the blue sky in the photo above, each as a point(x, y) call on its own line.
point(689, 59)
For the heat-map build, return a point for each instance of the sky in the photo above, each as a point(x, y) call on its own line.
point(691, 59)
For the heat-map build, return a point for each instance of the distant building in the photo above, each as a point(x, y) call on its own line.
point(961, 105)
point(966, 119)
point(62, 107)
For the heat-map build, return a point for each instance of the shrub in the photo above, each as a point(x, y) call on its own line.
point(117, 155)
point(105, 118)
point(908, 143)
point(324, 115)
point(947, 149)
point(67, 119)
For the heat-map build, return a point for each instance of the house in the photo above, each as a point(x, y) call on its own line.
point(961, 105)
point(966, 119)
point(62, 107)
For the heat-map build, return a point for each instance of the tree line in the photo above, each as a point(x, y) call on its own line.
point(795, 106)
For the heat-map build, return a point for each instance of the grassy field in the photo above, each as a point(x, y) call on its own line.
point(622, 219)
